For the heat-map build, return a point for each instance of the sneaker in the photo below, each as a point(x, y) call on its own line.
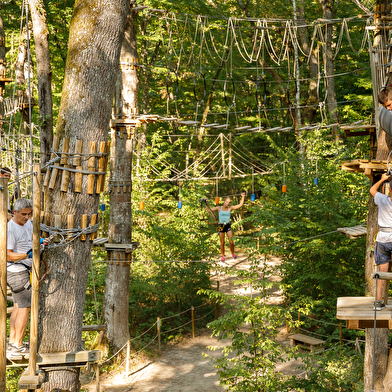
point(14, 351)
point(379, 305)
point(234, 256)
point(223, 259)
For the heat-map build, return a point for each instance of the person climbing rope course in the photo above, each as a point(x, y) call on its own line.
point(383, 249)
point(224, 224)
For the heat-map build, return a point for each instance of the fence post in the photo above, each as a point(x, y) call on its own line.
point(159, 333)
point(128, 354)
point(193, 321)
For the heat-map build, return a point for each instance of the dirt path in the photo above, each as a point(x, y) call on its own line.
point(182, 367)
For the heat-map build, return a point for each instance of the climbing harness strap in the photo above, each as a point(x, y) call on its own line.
point(386, 229)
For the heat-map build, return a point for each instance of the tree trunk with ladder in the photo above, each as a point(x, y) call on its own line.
point(95, 38)
point(116, 300)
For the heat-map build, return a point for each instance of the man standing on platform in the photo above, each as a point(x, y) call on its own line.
point(19, 262)
point(383, 249)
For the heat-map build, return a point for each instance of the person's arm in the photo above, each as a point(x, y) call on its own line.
point(216, 208)
point(374, 188)
point(13, 256)
point(241, 202)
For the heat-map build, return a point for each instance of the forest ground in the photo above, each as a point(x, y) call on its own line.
point(182, 367)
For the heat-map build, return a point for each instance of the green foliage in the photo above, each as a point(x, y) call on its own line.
point(249, 361)
point(338, 369)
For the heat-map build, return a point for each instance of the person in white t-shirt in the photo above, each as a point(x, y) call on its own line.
point(383, 249)
point(19, 261)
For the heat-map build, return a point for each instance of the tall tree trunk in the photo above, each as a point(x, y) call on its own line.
point(376, 350)
point(95, 38)
point(309, 112)
point(329, 66)
point(116, 300)
point(44, 75)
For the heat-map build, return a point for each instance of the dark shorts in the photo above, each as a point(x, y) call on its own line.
point(20, 287)
point(382, 252)
point(224, 228)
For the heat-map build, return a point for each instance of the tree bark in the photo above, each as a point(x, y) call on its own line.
point(329, 67)
point(309, 112)
point(44, 76)
point(116, 300)
point(96, 34)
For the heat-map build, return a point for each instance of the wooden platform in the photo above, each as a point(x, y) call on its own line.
point(359, 313)
point(308, 342)
point(71, 357)
point(366, 166)
point(353, 232)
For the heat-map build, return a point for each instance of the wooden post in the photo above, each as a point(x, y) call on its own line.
point(53, 177)
point(3, 280)
point(78, 150)
point(105, 165)
point(78, 180)
point(65, 179)
point(128, 354)
point(91, 167)
point(159, 333)
point(57, 223)
point(230, 156)
point(101, 167)
point(193, 321)
point(70, 223)
point(93, 222)
point(64, 157)
point(223, 154)
point(83, 225)
point(55, 147)
point(35, 270)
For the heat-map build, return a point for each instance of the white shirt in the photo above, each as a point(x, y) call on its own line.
point(19, 240)
point(384, 204)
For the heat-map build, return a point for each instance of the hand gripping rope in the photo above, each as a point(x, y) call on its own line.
point(209, 209)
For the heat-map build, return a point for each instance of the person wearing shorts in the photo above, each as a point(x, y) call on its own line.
point(383, 248)
point(225, 225)
point(19, 261)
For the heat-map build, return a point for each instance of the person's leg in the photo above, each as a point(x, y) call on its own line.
point(222, 243)
point(231, 242)
point(21, 323)
point(381, 282)
point(14, 316)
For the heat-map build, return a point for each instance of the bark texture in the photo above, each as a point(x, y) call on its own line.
point(329, 67)
point(44, 76)
point(116, 300)
point(96, 34)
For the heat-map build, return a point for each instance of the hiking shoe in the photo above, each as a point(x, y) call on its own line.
point(223, 259)
point(14, 351)
point(379, 305)
point(234, 256)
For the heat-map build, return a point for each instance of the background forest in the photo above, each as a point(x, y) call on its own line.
point(263, 74)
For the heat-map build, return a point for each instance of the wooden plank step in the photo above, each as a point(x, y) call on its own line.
point(353, 232)
point(189, 123)
point(93, 328)
point(225, 126)
point(256, 129)
point(126, 247)
point(99, 241)
point(306, 341)
point(242, 128)
point(210, 125)
point(84, 357)
point(382, 275)
point(350, 127)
